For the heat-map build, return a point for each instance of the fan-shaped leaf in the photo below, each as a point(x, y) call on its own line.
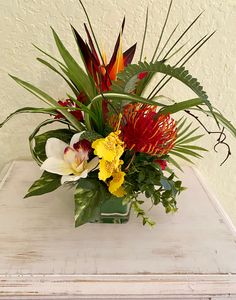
point(128, 79)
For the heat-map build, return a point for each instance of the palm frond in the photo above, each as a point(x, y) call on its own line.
point(185, 136)
point(162, 31)
point(155, 90)
point(182, 35)
point(128, 79)
point(144, 35)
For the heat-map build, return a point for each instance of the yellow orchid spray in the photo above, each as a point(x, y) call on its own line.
point(109, 150)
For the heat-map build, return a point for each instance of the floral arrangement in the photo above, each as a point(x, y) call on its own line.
point(115, 141)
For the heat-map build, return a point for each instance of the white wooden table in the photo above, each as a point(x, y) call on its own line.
point(188, 255)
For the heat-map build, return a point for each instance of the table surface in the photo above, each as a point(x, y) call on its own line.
point(191, 253)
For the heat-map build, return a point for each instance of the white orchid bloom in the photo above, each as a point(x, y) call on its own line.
point(70, 161)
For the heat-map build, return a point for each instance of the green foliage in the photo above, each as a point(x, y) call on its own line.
point(27, 110)
point(146, 177)
point(48, 182)
point(222, 120)
point(51, 67)
point(174, 108)
point(91, 136)
point(38, 142)
point(74, 71)
point(89, 194)
point(182, 149)
point(50, 101)
point(64, 135)
point(128, 79)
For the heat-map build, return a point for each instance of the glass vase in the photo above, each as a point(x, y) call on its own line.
point(112, 211)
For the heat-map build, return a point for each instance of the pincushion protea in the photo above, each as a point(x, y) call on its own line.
point(145, 131)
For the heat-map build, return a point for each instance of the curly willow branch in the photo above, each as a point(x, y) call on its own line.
point(220, 140)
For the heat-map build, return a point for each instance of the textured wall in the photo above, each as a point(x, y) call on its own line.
point(23, 22)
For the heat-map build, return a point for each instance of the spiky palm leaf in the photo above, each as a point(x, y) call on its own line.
point(128, 80)
point(183, 148)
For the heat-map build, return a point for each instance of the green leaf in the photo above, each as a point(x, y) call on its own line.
point(123, 97)
point(38, 154)
point(91, 136)
point(131, 72)
point(50, 56)
point(222, 120)
point(180, 140)
point(144, 35)
point(173, 162)
point(162, 30)
point(180, 133)
point(194, 147)
point(75, 72)
point(50, 111)
point(194, 138)
point(187, 151)
point(165, 183)
point(84, 108)
point(50, 101)
point(48, 182)
point(47, 64)
point(180, 123)
point(88, 196)
point(40, 140)
point(180, 106)
point(181, 156)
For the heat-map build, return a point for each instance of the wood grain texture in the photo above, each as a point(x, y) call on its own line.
point(188, 255)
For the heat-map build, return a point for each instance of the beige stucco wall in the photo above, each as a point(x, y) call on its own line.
point(23, 22)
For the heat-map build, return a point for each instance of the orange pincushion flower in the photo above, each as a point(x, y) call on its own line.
point(144, 131)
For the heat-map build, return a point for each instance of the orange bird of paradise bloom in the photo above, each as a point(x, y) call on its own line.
point(102, 71)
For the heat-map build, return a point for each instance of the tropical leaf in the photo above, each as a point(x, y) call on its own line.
point(162, 31)
point(194, 147)
point(91, 136)
point(174, 163)
point(89, 194)
point(182, 149)
point(123, 97)
point(128, 79)
point(75, 72)
point(48, 182)
point(184, 157)
point(144, 35)
point(193, 139)
point(37, 142)
point(47, 64)
point(84, 108)
point(182, 35)
point(134, 98)
point(50, 56)
point(180, 106)
point(222, 120)
point(187, 151)
point(33, 110)
point(50, 101)
point(184, 137)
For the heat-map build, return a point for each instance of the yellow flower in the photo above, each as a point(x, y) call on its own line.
point(109, 150)
point(120, 192)
point(116, 183)
point(106, 169)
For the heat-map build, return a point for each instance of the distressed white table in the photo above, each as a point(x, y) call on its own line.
point(188, 255)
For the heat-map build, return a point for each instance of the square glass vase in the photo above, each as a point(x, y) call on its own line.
point(112, 211)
